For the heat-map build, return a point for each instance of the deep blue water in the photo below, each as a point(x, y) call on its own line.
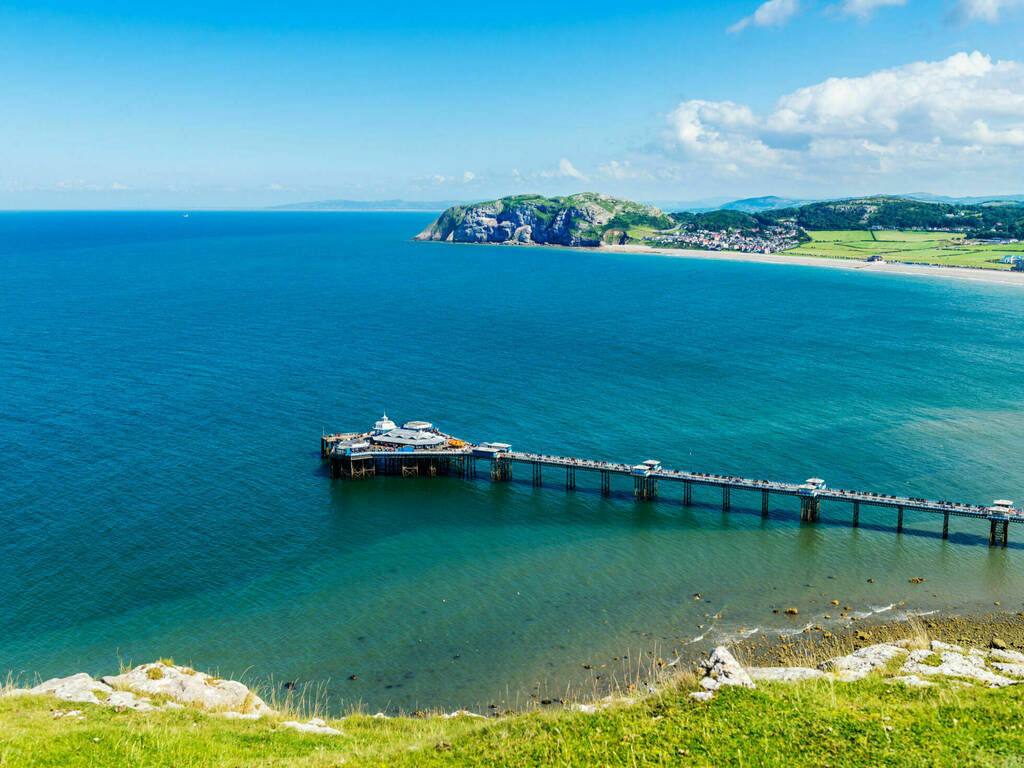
point(165, 381)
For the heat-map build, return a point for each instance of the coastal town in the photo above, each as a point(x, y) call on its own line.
point(768, 239)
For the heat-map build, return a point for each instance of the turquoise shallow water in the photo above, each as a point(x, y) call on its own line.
point(165, 380)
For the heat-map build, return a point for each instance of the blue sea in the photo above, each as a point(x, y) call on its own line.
point(165, 381)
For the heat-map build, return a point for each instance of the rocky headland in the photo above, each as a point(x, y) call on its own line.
point(585, 219)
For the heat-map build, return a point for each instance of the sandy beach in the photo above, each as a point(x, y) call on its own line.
point(892, 268)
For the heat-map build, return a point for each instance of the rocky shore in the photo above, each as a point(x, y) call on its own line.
point(972, 649)
point(996, 629)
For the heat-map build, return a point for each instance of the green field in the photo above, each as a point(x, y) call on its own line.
point(943, 248)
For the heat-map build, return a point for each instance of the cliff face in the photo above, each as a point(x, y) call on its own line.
point(585, 219)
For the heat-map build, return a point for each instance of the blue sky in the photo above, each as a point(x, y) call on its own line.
point(218, 104)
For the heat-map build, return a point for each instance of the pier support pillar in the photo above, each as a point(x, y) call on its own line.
point(687, 494)
point(335, 471)
point(998, 531)
point(764, 503)
point(570, 478)
point(810, 509)
point(605, 483)
point(645, 488)
point(856, 514)
point(899, 520)
point(537, 479)
point(726, 503)
point(501, 469)
point(945, 525)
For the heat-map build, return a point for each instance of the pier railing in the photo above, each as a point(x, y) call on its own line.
point(462, 460)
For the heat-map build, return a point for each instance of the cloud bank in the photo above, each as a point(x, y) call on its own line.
point(961, 114)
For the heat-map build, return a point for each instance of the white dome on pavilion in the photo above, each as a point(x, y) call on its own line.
point(384, 424)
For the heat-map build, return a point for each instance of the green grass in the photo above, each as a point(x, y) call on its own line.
point(943, 248)
point(840, 236)
point(817, 723)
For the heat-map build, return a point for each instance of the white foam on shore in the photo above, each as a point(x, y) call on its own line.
point(704, 634)
point(874, 611)
point(739, 634)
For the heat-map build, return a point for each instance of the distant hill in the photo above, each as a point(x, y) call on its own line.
point(978, 200)
point(718, 221)
point(758, 204)
point(584, 219)
point(984, 220)
point(367, 205)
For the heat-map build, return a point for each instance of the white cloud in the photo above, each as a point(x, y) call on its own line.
point(78, 185)
point(468, 176)
point(983, 10)
point(964, 114)
point(863, 9)
point(621, 171)
point(565, 170)
point(773, 13)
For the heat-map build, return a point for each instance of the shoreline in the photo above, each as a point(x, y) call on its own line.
point(995, 276)
point(817, 644)
point(1001, 276)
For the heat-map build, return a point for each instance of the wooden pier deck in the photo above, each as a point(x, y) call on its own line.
point(460, 458)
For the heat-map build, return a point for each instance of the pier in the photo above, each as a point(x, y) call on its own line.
point(418, 449)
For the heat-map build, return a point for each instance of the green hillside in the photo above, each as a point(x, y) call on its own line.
point(975, 221)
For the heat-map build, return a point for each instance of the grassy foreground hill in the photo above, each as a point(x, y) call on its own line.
point(813, 723)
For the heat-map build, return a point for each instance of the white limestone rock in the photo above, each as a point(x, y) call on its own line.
point(1013, 670)
point(702, 695)
point(721, 668)
point(919, 655)
point(461, 713)
point(954, 664)
point(187, 686)
point(784, 674)
point(128, 700)
point(864, 660)
point(710, 684)
point(16, 692)
point(314, 725)
point(938, 645)
point(1014, 657)
point(80, 687)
